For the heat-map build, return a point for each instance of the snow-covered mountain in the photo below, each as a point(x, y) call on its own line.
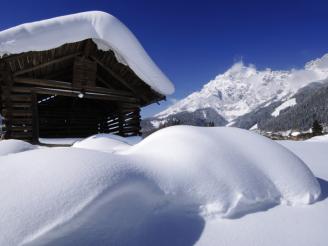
point(244, 88)
point(297, 112)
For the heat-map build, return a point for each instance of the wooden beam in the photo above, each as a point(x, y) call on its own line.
point(7, 99)
point(59, 73)
point(17, 89)
point(67, 85)
point(35, 119)
point(43, 82)
point(42, 65)
point(104, 82)
point(117, 77)
point(25, 121)
point(88, 95)
point(17, 113)
point(22, 135)
point(19, 98)
point(89, 47)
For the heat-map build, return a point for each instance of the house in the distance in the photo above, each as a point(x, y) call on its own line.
point(74, 76)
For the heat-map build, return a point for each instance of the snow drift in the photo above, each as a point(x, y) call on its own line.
point(107, 142)
point(105, 30)
point(228, 171)
point(13, 146)
point(156, 191)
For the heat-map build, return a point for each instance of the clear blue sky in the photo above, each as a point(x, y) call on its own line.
point(193, 41)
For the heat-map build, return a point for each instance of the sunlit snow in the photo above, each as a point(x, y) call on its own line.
point(167, 189)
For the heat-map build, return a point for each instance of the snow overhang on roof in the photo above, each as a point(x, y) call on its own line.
point(105, 30)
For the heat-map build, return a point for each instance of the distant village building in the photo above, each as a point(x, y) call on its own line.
point(75, 76)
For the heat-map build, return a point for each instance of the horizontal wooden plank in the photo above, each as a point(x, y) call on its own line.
point(21, 135)
point(63, 133)
point(67, 85)
point(21, 128)
point(17, 105)
point(87, 95)
point(65, 120)
point(19, 98)
point(17, 113)
point(63, 126)
point(17, 121)
point(17, 89)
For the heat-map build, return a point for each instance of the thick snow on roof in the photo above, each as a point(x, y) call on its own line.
point(157, 192)
point(105, 30)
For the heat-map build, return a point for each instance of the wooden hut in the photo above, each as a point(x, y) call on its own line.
point(74, 90)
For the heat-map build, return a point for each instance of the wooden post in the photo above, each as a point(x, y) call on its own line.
point(121, 123)
point(8, 81)
point(35, 119)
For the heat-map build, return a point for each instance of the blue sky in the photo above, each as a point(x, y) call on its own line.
point(193, 41)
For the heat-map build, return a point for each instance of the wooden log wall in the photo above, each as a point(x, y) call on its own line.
point(124, 123)
point(65, 72)
point(16, 108)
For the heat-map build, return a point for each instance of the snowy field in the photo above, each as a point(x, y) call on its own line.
point(180, 186)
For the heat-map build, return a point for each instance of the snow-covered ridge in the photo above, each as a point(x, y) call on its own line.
point(243, 88)
point(105, 30)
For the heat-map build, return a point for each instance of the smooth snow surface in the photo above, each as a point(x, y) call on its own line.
point(107, 142)
point(222, 168)
point(281, 225)
point(105, 30)
point(59, 141)
point(13, 146)
point(323, 138)
point(161, 191)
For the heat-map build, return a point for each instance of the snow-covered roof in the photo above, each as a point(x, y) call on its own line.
point(105, 30)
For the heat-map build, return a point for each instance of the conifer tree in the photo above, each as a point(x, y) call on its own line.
point(316, 128)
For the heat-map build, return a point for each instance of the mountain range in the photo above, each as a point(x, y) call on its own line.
point(245, 97)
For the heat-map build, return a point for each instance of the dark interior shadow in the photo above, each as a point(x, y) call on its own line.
point(324, 189)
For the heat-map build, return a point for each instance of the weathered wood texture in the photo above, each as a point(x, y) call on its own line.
point(84, 72)
point(74, 90)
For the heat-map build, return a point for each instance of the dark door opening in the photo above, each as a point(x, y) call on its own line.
point(72, 117)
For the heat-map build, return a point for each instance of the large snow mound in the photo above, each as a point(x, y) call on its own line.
point(13, 146)
point(107, 32)
point(40, 189)
point(107, 142)
point(173, 179)
point(229, 171)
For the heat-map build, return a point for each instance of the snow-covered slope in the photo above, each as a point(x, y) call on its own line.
point(105, 30)
point(157, 192)
point(243, 88)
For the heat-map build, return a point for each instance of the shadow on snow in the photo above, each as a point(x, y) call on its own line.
point(324, 189)
point(130, 214)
